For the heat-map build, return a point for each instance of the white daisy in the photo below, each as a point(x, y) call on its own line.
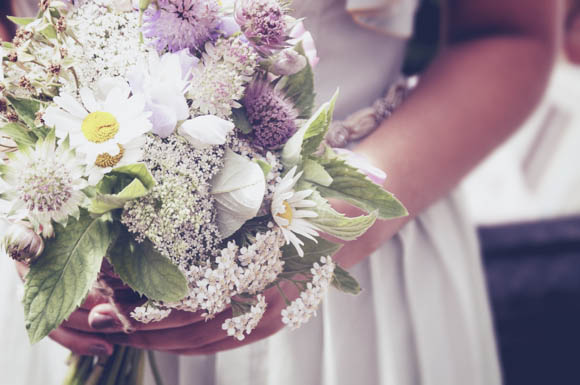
point(288, 213)
point(109, 126)
point(45, 183)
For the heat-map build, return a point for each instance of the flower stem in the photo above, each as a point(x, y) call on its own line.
point(154, 368)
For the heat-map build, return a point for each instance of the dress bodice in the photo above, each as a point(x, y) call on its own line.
point(358, 60)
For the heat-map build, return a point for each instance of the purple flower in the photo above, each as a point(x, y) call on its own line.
point(179, 24)
point(271, 115)
point(264, 22)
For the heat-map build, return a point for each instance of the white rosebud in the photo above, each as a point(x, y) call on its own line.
point(22, 243)
point(288, 62)
point(204, 131)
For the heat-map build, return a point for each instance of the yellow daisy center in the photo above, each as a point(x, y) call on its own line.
point(99, 126)
point(287, 214)
point(108, 160)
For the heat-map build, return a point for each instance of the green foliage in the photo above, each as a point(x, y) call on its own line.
point(19, 134)
point(300, 87)
point(345, 282)
point(146, 271)
point(240, 117)
point(121, 186)
point(21, 20)
point(61, 278)
point(339, 225)
point(315, 173)
point(352, 186)
point(308, 138)
point(25, 108)
point(293, 263)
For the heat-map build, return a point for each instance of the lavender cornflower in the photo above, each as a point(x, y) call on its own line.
point(271, 115)
point(180, 24)
point(264, 22)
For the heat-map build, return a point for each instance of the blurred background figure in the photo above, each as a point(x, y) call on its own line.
point(526, 199)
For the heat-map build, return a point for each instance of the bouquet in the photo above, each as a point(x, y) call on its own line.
point(178, 141)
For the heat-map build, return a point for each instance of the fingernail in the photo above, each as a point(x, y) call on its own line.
point(104, 321)
point(98, 350)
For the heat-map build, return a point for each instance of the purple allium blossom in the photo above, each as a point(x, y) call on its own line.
point(271, 115)
point(264, 22)
point(179, 24)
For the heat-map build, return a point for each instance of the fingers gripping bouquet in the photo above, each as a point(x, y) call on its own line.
point(176, 139)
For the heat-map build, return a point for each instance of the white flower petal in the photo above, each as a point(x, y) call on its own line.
point(205, 131)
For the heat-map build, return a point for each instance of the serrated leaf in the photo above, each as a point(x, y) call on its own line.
point(350, 185)
point(25, 108)
point(293, 263)
point(345, 282)
point(240, 117)
point(21, 20)
point(103, 203)
point(61, 278)
point(19, 134)
point(337, 224)
point(300, 87)
point(316, 133)
point(293, 149)
point(146, 271)
point(314, 172)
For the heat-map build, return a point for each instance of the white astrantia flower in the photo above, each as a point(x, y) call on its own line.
point(46, 183)
point(108, 127)
point(288, 211)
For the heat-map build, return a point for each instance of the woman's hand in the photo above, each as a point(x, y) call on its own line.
point(180, 333)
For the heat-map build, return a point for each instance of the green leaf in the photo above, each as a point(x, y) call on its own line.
point(25, 108)
point(49, 32)
point(300, 87)
point(21, 20)
point(296, 147)
point(293, 263)
point(337, 224)
point(146, 271)
point(240, 117)
point(354, 187)
point(345, 282)
point(61, 278)
point(107, 202)
point(20, 134)
point(316, 133)
point(265, 166)
point(139, 171)
point(314, 172)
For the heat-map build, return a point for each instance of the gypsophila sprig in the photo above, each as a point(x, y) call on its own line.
point(170, 144)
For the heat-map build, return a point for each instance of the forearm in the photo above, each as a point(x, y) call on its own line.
point(471, 99)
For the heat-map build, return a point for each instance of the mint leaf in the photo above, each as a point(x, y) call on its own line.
point(61, 278)
point(336, 224)
point(300, 87)
point(306, 140)
point(146, 271)
point(293, 263)
point(345, 282)
point(25, 108)
point(19, 134)
point(352, 186)
point(315, 173)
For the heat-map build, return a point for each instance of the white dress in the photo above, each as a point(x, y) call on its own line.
point(423, 316)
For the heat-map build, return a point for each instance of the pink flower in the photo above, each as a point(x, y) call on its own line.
point(300, 34)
